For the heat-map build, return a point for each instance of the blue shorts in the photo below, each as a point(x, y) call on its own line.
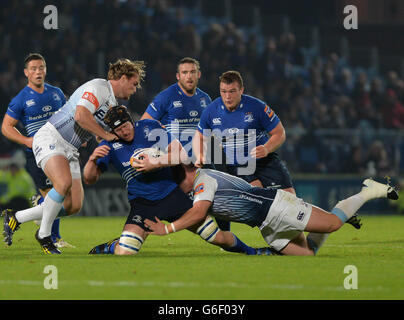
point(41, 181)
point(270, 171)
point(170, 208)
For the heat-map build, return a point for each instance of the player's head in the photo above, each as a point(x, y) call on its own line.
point(188, 74)
point(184, 175)
point(231, 88)
point(35, 70)
point(126, 76)
point(119, 120)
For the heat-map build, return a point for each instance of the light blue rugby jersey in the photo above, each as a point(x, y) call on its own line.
point(240, 130)
point(33, 109)
point(233, 199)
point(179, 113)
point(154, 185)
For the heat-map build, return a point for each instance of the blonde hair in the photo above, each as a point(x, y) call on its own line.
point(126, 67)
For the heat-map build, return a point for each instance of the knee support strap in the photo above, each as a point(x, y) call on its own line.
point(208, 230)
point(130, 241)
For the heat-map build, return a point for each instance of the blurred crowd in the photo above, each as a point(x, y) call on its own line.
point(332, 112)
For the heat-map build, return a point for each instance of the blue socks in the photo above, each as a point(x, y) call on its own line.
point(240, 247)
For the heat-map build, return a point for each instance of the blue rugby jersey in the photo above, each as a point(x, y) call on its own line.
point(240, 130)
point(233, 199)
point(154, 185)
point(33, 109)
point(179, 113)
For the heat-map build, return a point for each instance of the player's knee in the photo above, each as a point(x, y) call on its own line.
point(208, 230)
point(63, 187)
point(129, 243)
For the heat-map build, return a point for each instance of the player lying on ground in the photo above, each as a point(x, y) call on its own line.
point(151, 188)
point(280, 215)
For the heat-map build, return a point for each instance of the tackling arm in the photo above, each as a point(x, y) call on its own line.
point(190, 218)
point(86, 120)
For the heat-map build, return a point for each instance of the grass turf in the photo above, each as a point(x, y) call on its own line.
point(182, 266)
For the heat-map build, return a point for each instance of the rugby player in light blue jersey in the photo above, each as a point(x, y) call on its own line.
point(32, 107)
point(151, 188)
point(179, 107)
point(250, 132)
point(281, 216)
point(56, 145)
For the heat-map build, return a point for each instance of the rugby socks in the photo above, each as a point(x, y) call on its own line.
point(51, 206)
point(344, 210)
point(55, 234)
point(240, 247)
point(34, 213)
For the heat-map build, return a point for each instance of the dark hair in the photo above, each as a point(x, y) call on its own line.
point(33, 56)
point(188, 60)
point(116, 116)
point(231, 76)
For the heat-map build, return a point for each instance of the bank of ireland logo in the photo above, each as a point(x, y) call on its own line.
point(193, 113)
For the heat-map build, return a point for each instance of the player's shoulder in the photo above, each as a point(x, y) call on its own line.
point(253, 101)
point(96, 84)
point(170, 91)
point(215, 104)
point(202, 93)
point(147, 122)
point(21, 96)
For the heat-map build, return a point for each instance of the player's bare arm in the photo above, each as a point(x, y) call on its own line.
point(193, 216)
point(278, 137)
point(175, 155)
point(9, 130)
point(198, 147)
point(91, 172)
point(85, 119)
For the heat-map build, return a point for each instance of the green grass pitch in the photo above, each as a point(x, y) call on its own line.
point(182, 266)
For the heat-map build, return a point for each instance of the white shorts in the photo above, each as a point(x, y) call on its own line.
point(286, 219)
point(48, 142)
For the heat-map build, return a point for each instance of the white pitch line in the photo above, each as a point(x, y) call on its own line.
point(94, 283)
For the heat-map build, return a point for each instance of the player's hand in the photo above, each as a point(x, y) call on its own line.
point(158, 228)
point(99, 152)
point(198, 163)
point(259, 152)
point(110, 136)
point(146, 164)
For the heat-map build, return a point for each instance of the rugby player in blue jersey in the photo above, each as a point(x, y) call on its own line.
point(250, 132)
point(151, 188)
point(56, 145)
point(281, 216)
point(179, 107)
point(32, 107)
